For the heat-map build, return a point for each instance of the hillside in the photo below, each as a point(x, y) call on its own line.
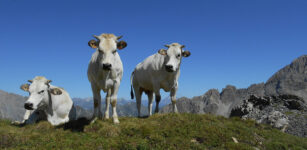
point(171, 131)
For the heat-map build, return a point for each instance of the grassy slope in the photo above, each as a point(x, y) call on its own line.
point(184, 131)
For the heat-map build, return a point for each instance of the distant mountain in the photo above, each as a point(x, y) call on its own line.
point(11, 106)
point(292, 80)
point(124, 107)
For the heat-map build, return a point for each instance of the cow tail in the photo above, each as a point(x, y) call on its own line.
point(131, 93)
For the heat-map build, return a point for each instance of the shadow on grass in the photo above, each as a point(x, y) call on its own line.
point(73, 125)
point(143, 117)
point(76, 125)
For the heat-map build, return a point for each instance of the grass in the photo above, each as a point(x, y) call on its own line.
point(161, 131)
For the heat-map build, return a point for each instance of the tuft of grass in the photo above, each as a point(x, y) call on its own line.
point(160, 131)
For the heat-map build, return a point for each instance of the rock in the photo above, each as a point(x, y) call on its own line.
point(275, 119)
point(276, 111)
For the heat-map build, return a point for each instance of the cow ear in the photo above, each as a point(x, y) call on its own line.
point(56, 91)
point(186, 53)
point(162, 52)
point(93, 44)
point(25, 87)
point(121, 45)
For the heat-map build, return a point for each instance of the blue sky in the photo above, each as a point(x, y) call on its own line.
point(236, 42)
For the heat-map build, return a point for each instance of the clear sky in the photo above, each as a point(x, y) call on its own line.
point(236, 42)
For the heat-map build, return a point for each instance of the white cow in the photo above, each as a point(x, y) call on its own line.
point(47, 102)
point(105, 72)
point(160, 70)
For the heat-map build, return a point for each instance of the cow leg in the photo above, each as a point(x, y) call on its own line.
point(27, 115)
point(97, 102)
point(33, 116)
point(173, 99)
point(114, 101)
point(150, 98)
point(25, 118)
point(108, 99)
point(158, 99)
point(138, 96)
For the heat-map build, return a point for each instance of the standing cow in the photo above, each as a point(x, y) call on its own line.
point(160, 70)
point(47, 102)
point(105, 72)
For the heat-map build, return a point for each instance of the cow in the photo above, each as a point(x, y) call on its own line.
point(160, 70)
point(105, 71)
point(47, 102)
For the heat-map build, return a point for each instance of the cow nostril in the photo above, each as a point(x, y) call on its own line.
point(107, 66)
point(28, 106)
point(169, 66)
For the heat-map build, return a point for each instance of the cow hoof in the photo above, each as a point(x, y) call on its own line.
point(116, 121)
point(16, 123)
point(94, 120)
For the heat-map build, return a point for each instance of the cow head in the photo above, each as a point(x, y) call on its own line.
point(39, 90)
point(173, 56)
point(107, 45)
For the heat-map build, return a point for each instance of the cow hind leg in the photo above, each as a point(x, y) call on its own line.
point(138, 96)
point(158, 99)
point(150, 98)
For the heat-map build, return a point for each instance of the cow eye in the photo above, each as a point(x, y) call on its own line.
point(178, 55)
point(40, 92)
point(114, 52)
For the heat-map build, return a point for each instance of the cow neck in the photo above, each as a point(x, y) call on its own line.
point(49, 106)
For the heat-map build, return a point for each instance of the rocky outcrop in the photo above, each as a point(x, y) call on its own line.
point(285, 112)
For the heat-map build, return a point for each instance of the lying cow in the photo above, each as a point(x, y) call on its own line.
point(47, 102)
point(160, 70)
point(105, 72)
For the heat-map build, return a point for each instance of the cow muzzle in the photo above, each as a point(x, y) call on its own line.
point(106, 66)
point(28, 106)
point(169, 68)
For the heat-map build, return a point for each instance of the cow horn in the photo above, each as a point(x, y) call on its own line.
point(119, 37)
point(96, 37)
point(48, 81)
point(182, 46)
point(30, 81)
point(166, 46)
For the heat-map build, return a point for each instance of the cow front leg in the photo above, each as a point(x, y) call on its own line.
point(173, 99)
point(97, 103)
point(27, 115)
point(108, 99)
point(158, 99)
point(114, 101)
point(150, 98)
point(25, 118)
